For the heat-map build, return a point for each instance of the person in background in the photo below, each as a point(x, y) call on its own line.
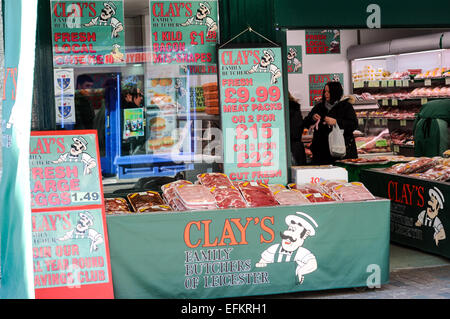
point(296, 130)
point(332, 109)
point(84, 112)
point(127, 101)
point(137, 97)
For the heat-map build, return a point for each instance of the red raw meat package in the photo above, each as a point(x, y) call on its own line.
point(170, 195)
point(290, 197)
point(257, 194)
point(354, 191)
point(228, 197)
point(214, 180)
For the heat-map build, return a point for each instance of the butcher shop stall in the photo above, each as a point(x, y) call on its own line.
point(160, 160)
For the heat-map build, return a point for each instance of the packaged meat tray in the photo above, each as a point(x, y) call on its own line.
point(418, 165)
point(214, 180)
point(257, 194)
point(154, 208)
point(353, 191)
point(116, 206)
point(440, 173)
point(171, 197)
point(314, 193)
point(141, 199)
point(290, 197)
point(195, 197)
point(228, 197)
point(276, 187)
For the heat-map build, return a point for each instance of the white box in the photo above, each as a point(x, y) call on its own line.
point(318, 174)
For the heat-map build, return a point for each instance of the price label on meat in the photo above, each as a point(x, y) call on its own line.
point(253, 120)
point(88, 33)
point(184, 32)
point(64, 170)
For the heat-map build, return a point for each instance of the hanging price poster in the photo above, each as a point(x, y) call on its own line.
point(184, 32)
point(323, 41)
point(70, 242)
point(64, 170)
point(317, 83)
point(252, 114)
point(294, 59)
point(87, 33)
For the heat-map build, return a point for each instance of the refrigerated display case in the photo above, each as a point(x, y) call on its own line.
point(399, 76)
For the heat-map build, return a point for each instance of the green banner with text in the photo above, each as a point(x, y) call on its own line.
point(253, 114)
point(252, 251)
point(184, 32)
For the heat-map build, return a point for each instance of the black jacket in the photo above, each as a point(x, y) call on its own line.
point(296, 130)
point(346, 118)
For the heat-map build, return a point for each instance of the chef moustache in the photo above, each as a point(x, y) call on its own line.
point(76, 147)
point(283, 236)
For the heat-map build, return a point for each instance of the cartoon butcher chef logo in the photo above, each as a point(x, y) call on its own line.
point(202, 17)
point(266, 66)
point(83, 230)
point(106, 18)
point(292, 59)
point(428, 217)
point(77, 153)
point(290, 249)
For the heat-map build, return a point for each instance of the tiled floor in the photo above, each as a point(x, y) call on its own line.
point(413, 275)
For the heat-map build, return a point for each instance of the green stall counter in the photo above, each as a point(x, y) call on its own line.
point(419, 209)
point(354, 170)
point(248, 252)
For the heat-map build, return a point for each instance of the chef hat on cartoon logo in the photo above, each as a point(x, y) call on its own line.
point(438, 195)
point(111, 6)
point(293, 50)
point(270, 54)
point(304, 222)
point(81, 140)
point(86, 215)
point(205, 5)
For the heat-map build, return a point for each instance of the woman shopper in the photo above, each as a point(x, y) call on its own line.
point(332, 109)
point(296, 132)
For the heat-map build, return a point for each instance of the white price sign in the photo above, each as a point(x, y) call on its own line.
point(83, 197)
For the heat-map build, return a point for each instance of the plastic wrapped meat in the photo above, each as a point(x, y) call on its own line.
point(214, 180)
point(276, 187)
point(116, 206)
point(290, 197)
point(314, 193)
point(228, 197)
point(257, 194)
point(439, 173)
point(141, 199)
point(195, 197)
point(170, 195)
point(352, 192)
point(419, 165)
point(154, 208)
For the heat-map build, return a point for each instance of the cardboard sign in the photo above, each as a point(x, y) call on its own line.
point(70, 242)
point(317, 83)
point(184, 32)
point(252, 113)
point(323, 41)
point(88, 33)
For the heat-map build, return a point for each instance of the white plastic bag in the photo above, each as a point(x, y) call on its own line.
point(337, 142)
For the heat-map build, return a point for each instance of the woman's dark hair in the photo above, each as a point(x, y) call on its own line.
point(336, 91)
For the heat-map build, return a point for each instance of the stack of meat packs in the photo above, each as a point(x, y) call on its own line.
point(211, 94)
point(217, 191)
point(433, 168)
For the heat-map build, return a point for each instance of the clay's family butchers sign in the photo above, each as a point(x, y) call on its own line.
point(317, 83)
point(252, 102)
point(184, 32)
point(87, 33)
point(70, 244)
point(323, 41)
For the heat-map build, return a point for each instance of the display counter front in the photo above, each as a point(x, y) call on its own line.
point(419, 209)
point(251, 251)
